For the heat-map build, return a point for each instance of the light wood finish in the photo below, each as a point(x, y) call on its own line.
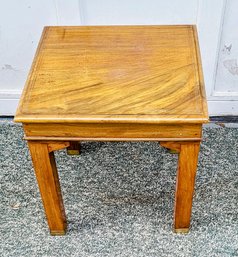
point(48, 181)
point(114, 83)
point(73, 148)
point(136, 74)
point(186, 173)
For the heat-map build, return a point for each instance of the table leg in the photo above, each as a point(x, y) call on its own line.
point(48, 181)
point(186, 173)
point(74, 148)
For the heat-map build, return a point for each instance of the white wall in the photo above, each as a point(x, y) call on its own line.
point(21, 23)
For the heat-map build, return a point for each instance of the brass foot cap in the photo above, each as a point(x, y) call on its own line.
point(58, 233)
point(73, 152)
point(181, 230)
point(173, 151)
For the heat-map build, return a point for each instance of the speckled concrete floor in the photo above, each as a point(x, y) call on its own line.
point(119, 199)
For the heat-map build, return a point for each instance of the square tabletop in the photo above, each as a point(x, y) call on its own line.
point(115, 74)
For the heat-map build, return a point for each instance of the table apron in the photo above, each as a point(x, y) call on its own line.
point(113, 132)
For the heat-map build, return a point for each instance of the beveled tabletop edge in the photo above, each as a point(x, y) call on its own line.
point(200, 73)
point(158, 119)
point(152, 119)
point(33, 66)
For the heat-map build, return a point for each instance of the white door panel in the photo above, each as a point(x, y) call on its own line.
point(223, 93)
point(227, 71)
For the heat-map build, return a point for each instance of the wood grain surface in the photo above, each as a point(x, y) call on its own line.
point(143, 74)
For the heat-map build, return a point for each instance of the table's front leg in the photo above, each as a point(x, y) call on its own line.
point(47, 177)
point(186, 174)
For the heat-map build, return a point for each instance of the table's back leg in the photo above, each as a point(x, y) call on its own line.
point(48, 181)
point(73, 148)
point(186, 173)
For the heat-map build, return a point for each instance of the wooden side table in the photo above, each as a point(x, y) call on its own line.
point(114, 83)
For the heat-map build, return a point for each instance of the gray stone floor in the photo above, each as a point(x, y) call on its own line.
point(119, 199)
